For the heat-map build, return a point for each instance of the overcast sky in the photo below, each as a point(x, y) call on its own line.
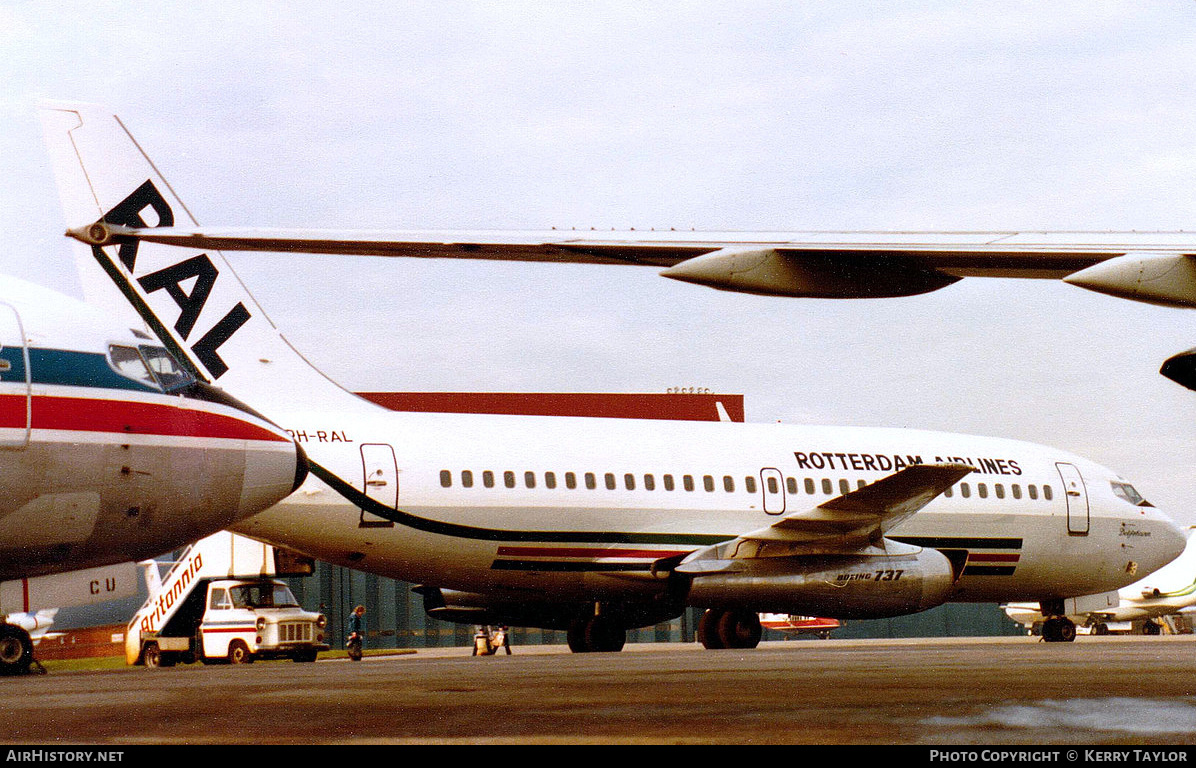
point(741, 116)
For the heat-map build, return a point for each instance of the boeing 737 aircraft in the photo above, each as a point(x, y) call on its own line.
point(110, 452)
point(596, 525)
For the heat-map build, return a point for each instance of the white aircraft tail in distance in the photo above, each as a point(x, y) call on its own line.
point(595, 525)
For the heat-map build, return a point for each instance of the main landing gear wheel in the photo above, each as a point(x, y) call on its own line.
point(16, 650)
point(729, 628)
point(1058, 629)
point(597, 634)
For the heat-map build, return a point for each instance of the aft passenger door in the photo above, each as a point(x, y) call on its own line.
point(380, 482)
point(772, 485)
point(15, 405)
point(1077, 498)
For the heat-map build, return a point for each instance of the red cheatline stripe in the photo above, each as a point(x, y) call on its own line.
point(980, 557)
point(250, 628)
point(127, 417)
point(588, 552)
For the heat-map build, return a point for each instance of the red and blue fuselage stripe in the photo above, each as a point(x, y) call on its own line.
point(143, 410)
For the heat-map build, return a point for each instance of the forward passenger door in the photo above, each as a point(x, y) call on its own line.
point(1076, 495)
point(15, 374)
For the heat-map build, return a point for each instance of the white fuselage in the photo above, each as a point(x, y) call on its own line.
point(503, 504)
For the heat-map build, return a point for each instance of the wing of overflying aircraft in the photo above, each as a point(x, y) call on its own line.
point(597, 525)
point(1153, 267)
point(108, 452)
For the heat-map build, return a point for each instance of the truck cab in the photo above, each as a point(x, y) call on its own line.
point(236, 620)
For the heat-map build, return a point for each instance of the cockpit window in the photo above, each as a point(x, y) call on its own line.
point(166, 369)
point(1129, 493)
point(152, 366)
point(128, 362)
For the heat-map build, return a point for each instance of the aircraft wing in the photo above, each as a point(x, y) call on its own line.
point(1157, 267)
point(852, 523)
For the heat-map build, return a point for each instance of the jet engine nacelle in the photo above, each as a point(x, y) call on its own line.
point(826, 275)
point(855, 587)
point(1168, 279)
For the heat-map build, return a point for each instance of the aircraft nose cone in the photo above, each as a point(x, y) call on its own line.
point(1172, 541)
point(272, 472)
point(302, 467)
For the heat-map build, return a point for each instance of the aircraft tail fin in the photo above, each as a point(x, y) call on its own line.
point(191, 298)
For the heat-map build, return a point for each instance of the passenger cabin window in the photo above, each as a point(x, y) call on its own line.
point(446, 478)
point(591, 482)
point(809, 485)
point(1017, 490)
point(629, 481)
point(791, 483)
point(466, 478)
point(529, 479)
point(1033, 489)
point(668, 483)
point(948, 492)
point(708, 483)
point(649, 483)
point(550, 480)
point(827, 488)
point(1047, 493)
point(508, 479)
point(688, 482)
point(964, 490)
point(844, 487)
point(982, 489)
point(488, 478)
point(570, 480)
point(999, 490)
point(610, 481)
point(749, 484)
point(728, 484)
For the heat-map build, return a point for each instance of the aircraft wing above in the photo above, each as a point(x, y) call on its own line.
point(854, 522)
point(1155, 267)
